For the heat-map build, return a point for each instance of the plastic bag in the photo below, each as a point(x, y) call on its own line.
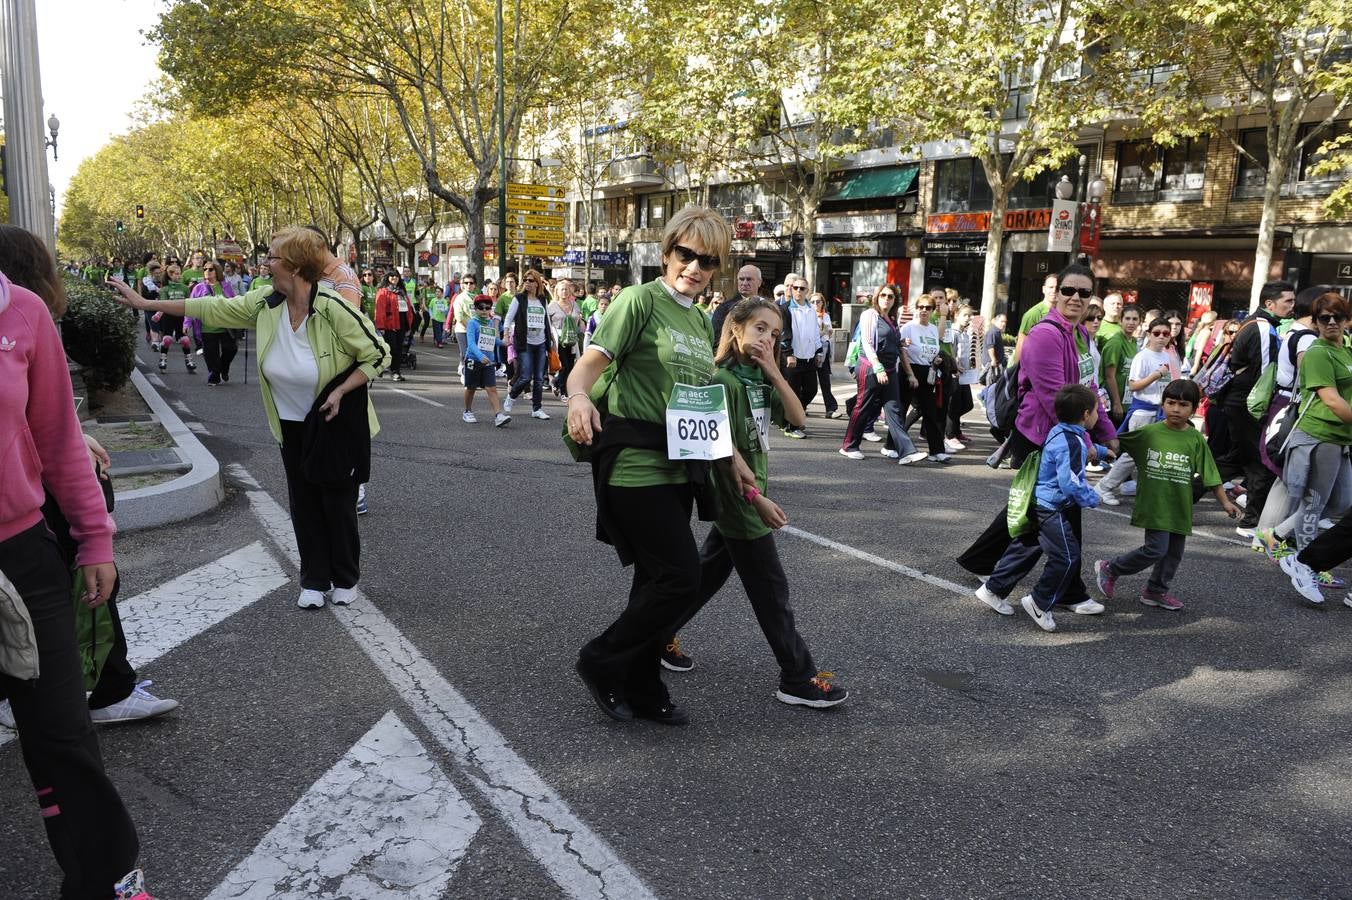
point(1022, 491)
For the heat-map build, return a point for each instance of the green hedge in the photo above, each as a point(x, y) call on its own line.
point(99, 334)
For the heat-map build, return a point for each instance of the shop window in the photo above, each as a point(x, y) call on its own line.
point(1147, 173)
point(1300, 179)
point(960, 186)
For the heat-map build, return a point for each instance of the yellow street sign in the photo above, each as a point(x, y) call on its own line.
point(536, 249)
point(516, 204)
point(545, 220)
point(526, 189)
point(536, 235)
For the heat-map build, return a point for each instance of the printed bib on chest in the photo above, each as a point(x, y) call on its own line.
point(1087, 369)
point(535, 318)
point(403, 306)
point(697, 423)
point(929, 347)
point(758, 401)
point(488, 338)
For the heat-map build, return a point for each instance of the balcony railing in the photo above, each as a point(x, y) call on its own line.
point(632, 171)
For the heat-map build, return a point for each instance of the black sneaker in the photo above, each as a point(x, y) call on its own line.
point(667, 713)
point(213, 379)
point(674, 659)
point(609, 699)
point(818, 693)
point(225, 376)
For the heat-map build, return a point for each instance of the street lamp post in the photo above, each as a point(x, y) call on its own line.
point(501, 107)
point(25, 144)
point(1065, 191)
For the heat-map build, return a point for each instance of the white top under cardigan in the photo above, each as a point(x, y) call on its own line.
point(292, 372)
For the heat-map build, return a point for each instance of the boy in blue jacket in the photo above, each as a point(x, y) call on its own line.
point(1060, 485)
point(481, 361)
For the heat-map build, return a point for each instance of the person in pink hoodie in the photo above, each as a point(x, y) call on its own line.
point(41, 447)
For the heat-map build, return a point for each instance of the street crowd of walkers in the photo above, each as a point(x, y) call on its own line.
point(672, 392)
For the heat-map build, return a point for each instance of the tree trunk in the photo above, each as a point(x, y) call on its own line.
point(995, 238)
point(1267, 226)
point(474, 239)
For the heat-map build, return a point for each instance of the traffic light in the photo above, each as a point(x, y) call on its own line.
point(140, 211)
point(119, 226)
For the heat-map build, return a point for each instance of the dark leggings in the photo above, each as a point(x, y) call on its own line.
point(324, 518)
point(922, 398)
point(90, 833)
point(396, 339)
point(219, 348)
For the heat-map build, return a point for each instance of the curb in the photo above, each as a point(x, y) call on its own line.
point(187, 496)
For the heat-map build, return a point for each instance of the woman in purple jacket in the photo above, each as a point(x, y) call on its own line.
point(1056, 353)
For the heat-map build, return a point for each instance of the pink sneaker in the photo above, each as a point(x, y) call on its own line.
point(1163, 601)
point(131, 887)
point(1107, 581)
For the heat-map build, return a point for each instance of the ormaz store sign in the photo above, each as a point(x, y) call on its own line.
point(963, 223)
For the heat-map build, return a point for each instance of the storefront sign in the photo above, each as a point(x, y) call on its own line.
point(954, 246)
point(848, 248)
point(615, 259)
point(856, 224)
point(1061, 231)
point(1015, 220)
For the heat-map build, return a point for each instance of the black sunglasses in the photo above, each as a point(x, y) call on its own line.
point(1154, 333)
point(1093, 318)
point(1331, 319)
point(687, 256)
point(1085, 293)
point(925, 308)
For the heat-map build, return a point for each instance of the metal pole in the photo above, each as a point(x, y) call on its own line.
point(1079, 205)
point(502, 143)
point(25, 141)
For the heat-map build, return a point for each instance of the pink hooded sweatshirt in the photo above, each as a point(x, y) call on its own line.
point(40, 440)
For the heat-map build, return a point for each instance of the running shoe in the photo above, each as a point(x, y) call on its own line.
point(311, 599)
point(1347, 599)
point(818, 693)
point(1108, 498)
point(1107, 581)
point(1265, 541)
point(941, 458)
point(1163, 600)
point(1245, 531)
point(911, 458)
point(835, 414)
point(6, 714)
point(342, 596)
point(139, 704)
point(501, 419)
point(851, 454)
point(468, 417)
point(1090, 607)
point(164, 364)
point(1303, 579)
point(953, 446)
point(1128, 488)
point(131, 887)
point(1329, 580)
point(674, 659)
point(890, 454)
point(1044, 620)
point(192, 366)
point(872, 436)
point(796, 433)
point(997, 603)
point(539, 414)
point(507, 404)
point(1095, 468)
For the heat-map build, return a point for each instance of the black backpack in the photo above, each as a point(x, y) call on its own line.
point(1001, 398)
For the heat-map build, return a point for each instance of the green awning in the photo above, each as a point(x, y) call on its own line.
point(866, 183)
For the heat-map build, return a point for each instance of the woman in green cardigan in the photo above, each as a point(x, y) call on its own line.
point(307, 337)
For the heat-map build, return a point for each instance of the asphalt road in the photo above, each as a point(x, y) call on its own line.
point(1141, 753)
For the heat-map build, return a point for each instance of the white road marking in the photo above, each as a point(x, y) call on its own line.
point(196, 427)
point(420, 399)
point(155, 380)
point(576, 858)
point(867, 557)
point(385, 823)
point(181, 407)
point(241, 474)
point(173, 613)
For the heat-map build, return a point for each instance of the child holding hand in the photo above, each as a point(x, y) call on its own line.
point(482, 343)
point(742, 537)
point(1169, 456)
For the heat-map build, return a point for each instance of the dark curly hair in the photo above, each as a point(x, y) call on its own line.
point(27, 262)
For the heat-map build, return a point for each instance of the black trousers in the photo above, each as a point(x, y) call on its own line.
point(666, 586)
point(875, 399)
point(90, 832)
point(1243, 458)
point(802, 377)
point(1330, 549)
point(324, 518)
point(922, 398)
point(396, 338)
point(567, 359)
point(219, 348)
point(960, 405)
point(767, 587)
point(824, 382)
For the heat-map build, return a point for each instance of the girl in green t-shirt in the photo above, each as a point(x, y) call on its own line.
point(743, 535)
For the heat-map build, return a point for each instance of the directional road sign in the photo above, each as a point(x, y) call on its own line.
point(516, 204)
point(536, 220)
point(536, 249)
point(536, 235)
point(533, 190)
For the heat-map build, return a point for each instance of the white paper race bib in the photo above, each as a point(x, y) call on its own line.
point(929, 348)
point(1087, 370)
point(535, 318)
point(758, 399)
point(403, 306)
point(697, 423)
point(488, 340)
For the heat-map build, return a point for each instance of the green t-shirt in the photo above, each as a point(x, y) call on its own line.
point(1033, 316)
point(1167, 461)
point(1118, 353)
point(1326, 365)
point(173, 290)
point(1107, 331)
point(737, 518)
point(262, 281)
point(588, 306)
point(504, 303)
point(368, 300)
point(439, 306)
point(192, 276)
point(654, 343)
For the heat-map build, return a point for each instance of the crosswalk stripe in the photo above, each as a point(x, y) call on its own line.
point(576, 858)
point(385, 823)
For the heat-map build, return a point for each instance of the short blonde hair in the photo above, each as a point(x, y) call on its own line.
point(711, 228)
point(303, 251)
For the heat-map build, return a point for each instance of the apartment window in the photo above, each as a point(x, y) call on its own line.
point(1311, 155)
point(656, 209)
point(1040, 190)
point(1300, 180)
point(960, 186)
point(1147, 173)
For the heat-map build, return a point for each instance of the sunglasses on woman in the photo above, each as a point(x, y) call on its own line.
point(1093, 318)
point(1085, 293)
point(706, 262)
point(924, 309)
point(1331, 319)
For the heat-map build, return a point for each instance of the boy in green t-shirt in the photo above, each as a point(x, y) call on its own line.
point(743, 535)
point(1169, 456)
point(1115, 373)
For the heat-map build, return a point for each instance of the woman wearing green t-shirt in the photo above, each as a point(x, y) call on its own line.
point(651, 340)
point(1317, 471)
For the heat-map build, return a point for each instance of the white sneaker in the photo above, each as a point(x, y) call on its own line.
point(6, 714)
point(911, 458)
point(1302, 578)
point(1242, 501)
point(311, 599)
point(996, 603)
point(1089, 607)
point(953, 446)
point(1044, 620)
point(1244, 531)
point(1108, 498)
point(139, 704)
point(851, 454)
point(1128, 488)
point(1096, 468)
point(342, 596)
point(938, 457)
point(539, 414)
point(872, 436)
point(890, 454)
point(469, 417)
point(507, 404)
point(1325, 524)
point(501, 419)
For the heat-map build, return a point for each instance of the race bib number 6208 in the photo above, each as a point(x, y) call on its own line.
point(697, 423)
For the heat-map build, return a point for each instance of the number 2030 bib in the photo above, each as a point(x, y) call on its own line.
point(697, 423)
